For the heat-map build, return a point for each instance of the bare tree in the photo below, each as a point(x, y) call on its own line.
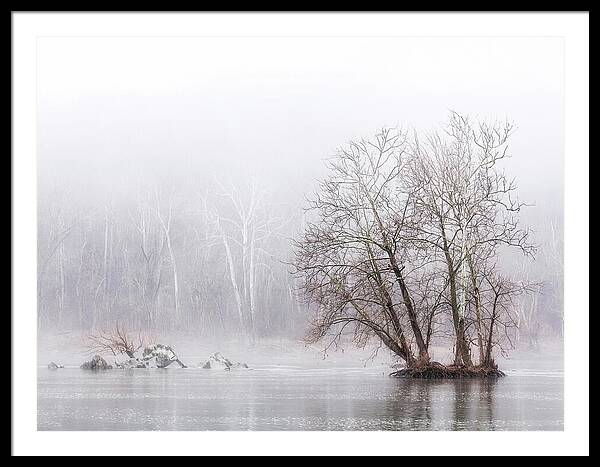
point(245, 227)
point(467, 208)
point(351, 259)
point(407, 229)
point(59, 219)
point(117, 341)
point(166, 224)
point(499, 312)
point(149, 247)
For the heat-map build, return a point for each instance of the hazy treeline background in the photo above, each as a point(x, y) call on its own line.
point(172, 172)
point(185, 256)
point(209, 256)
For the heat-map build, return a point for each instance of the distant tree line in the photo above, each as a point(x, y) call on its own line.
point(213, 260)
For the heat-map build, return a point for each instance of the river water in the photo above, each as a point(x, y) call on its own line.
point(280, 397)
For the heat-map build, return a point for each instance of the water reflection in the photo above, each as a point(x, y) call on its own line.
point(473, 404)
point(444, 404)
point(293, 400)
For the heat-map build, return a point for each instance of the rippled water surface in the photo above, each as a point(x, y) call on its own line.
point(279, 397)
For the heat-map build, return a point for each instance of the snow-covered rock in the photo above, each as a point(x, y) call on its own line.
point(130, 363)
point(54, 366)
point(96, 363)
point(158, 356)
point(153, 356)
point(218, 361)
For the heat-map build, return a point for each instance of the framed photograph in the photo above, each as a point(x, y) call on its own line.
point(309, 233)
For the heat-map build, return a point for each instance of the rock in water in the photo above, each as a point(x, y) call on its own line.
point(153, 356)
point(130, 363)
point(54, 366)
point(160, 356)
point(96, 363)
point(218, 361)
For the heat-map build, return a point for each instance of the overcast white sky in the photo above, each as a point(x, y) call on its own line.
point(276, 107)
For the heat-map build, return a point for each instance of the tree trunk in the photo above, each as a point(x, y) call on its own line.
point(234, 284)
point(490, 341)
point(175, 278)
point(61, 278)
point(462, 354)
point(423, 353)
point(478, 324)
point(412, 315)
point(389, 307)
point(402, 349)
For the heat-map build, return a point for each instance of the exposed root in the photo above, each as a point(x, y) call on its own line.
point(435, 370)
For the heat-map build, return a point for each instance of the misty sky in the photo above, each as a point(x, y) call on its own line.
point(116, 109)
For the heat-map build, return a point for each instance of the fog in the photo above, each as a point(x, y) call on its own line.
point(147, 145)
